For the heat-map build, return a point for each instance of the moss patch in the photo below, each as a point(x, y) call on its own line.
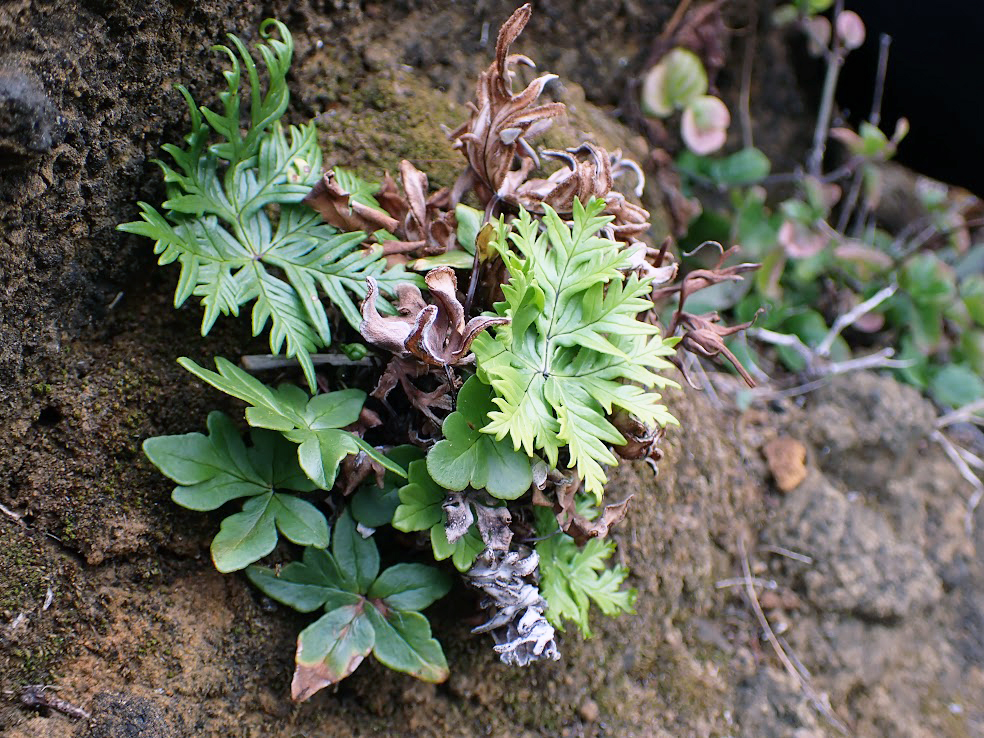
point(35, 626)
point(375, 113)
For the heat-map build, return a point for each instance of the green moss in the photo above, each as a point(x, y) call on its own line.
point(385, 118)
point(40, 640)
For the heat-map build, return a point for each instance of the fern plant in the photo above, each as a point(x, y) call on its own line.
point(234, 220)
point(482, 437)
point(575, 348)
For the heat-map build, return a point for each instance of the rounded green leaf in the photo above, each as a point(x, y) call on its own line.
point(404, 643)
point(187, 459)
point(420, 500)
point(334, 409)
point(374, 506)
point(467, 457)
point(300, 521)
point(299, 586)
point(462, 552)
point(245, 537)
point(330, 649)
point(357, 557)
point(469, 223)
point(215, 492)
point(410, 586)
point(321, 452)
point(972, 294)
point(956, 385)
point(678, 79)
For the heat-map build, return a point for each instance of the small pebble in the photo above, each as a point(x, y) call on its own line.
point(589, 711)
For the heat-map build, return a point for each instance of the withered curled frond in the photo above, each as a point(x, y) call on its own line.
point(502, 124)
point(336, 206)
point(426, 227)
point(435, 334)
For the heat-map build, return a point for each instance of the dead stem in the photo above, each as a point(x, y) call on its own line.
point(788, 553)
point(835, 60)
point(954, 453)
point(820, 702)
point(747, 64)
point(875, 119)
point(970, 413)
point(852, 316)
point(37, 696)
point(264, 362)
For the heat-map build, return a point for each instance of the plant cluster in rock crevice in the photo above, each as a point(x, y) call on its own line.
point(492, 348)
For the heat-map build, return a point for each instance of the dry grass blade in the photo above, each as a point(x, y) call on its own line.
point(819, 701)
point(959, 458)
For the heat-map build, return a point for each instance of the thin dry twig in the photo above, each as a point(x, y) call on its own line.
point(820, 702)
point(970, 413)
point(37, 696)
point(675, 19)
point(874, 118)
point(783, 339)
point(694, 364)
point(788, 553)
point(264, 362)
point(823, 373)
point(747, 64)
point(852, 316)
point(879, 360)
point(740, 582)
point(835, 60)
point(953, 451)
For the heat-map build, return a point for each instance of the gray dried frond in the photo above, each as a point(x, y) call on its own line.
point(459, 517)
point(493, 520)
point(521, 633)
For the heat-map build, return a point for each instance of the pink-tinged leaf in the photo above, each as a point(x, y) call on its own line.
point(705, 125)
point(850, 29)
point(330, 649)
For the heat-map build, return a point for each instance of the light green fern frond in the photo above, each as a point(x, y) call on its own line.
point(575, 349)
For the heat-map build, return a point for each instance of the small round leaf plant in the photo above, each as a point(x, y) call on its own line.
point(679, 82)
point(469, 372)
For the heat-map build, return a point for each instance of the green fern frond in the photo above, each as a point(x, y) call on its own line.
point(571, 578)
point(575, 349)
point(234, 219)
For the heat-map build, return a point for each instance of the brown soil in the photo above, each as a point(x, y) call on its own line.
point(107, 588)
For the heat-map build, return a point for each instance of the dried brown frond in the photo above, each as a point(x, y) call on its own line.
point(437, 335)
point(502, 124)
point(402, 372)
point(425, 229)
point(704, 335)
point(641, 441)
point(564, 507)
point(335, 205)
